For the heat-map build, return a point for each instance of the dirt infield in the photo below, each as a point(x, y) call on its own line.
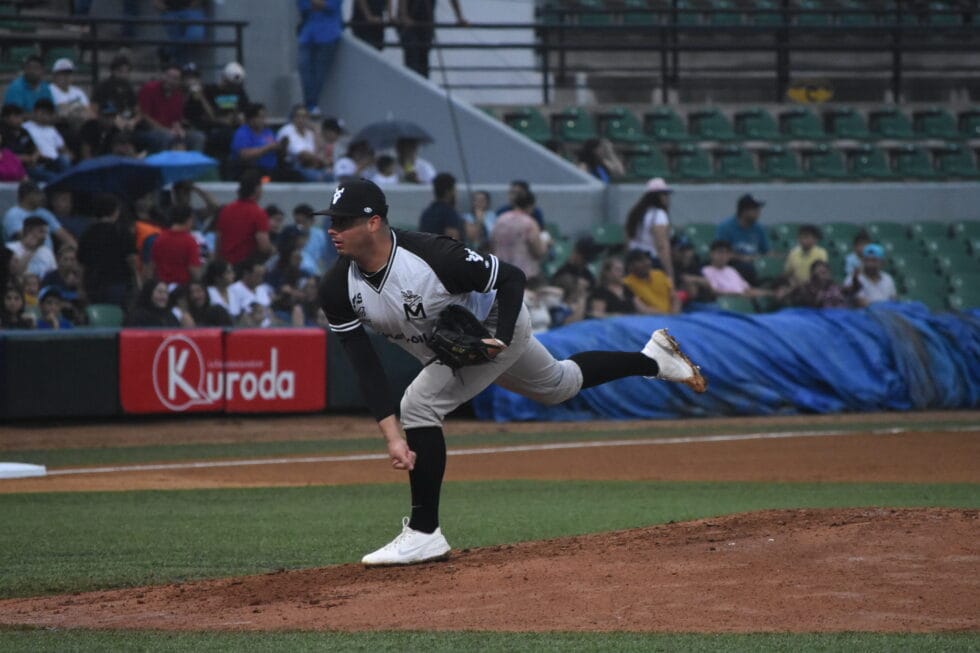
point(783, 571)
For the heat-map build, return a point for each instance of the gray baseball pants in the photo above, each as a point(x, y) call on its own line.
point(525, 367)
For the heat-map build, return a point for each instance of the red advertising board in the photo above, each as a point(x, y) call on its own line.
point(275, 370)
point(170, 371)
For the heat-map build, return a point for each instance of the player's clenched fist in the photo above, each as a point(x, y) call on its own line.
point(401, 456)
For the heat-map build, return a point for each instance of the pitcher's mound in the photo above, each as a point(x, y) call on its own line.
point(785, 570)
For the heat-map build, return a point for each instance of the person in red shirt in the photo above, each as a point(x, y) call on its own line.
point(176, 255)
point(243, 226)
point(161, 103)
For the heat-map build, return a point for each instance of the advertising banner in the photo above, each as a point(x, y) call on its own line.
point(275, 370)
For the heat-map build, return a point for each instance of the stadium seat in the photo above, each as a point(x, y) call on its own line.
point(931, 290)
point(104, 315)
point(769, 267)
point(890, 123)
point(757, 124)
point(922, 231)
point(637, 12)
point(687, 13)
point(530, 122)
point(711, 125)
point(826, 162)
point(783, 235)
point(779, 162)
point(890, 16)
point(955, 160)
point(967, 230)
point(664, 124)
point(856, 13)
point(963, 282)
point(841, 231)
point(969, 123)
point(722, 13)
point(943, 14)
point(802, 124)
point(610, 235)
point(735, 162)
point(574, 125)
point(560, 250)
point(907, 264)
point(691, 162)
point(647, 163)
point(935, 123)
point(621, 126)
point(9, 20)
point(966, 299)
point(912, 161)
point(953, 260)
point(593, 13)
point(868, 161)
point(765, 13)
point(700, 233)
point(15, 57)
point(736, 304)
point(882, 231)
point(814, 14)
point(846, 122)
point(53, 54)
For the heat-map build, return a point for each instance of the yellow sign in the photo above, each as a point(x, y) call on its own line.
point(810, 92)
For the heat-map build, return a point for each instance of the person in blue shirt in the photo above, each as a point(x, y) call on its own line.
point(254, 145)
point(30, 202)
point(319, 34)
point(30, 86)
point(319, 248)
point(50, 301)
point(747, 238)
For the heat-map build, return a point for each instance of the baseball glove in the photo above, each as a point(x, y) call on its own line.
point(458, 338)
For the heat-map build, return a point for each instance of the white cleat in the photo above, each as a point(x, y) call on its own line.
point(673, 363)
point(409, 548)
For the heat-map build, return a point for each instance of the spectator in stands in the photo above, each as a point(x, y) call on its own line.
point(416, 31)
point(869, 283)
point(31, 255)
point(358, 162)
point(441, 217)
point(691, 284)
point(648, 225)
point(181, 34)
point(254, 145)
point(723, 278)
point(161, 103)
point(517, 239)
point(611, 296)
point(30, 86)
point(202, 311)
point(308, 312)
point(301, 146)
point(199, 114)
point(652, 287)
point(97, 134)
point(176, 255)
point(119, 91)
point(218, 277)
point(67, 277)
point(32, 287)
point(517, 187)
point(319, 249)
point(331, 132)
point(51, 147)
point(243, 226)
point(70, 101)
point(821, 291)
point(63, 208)
point(321, 24)
point(19, 141)
point(13, 315)
point(11, 168)
point(152, 307)
point(287, 276)
point(534, 300)
point(746, 236)
point(251, 290)
point(413, 168)
point(277, 218)
point(477, 233)
point(30, 202)
point(130, 9)
point(802, 256)
point(108, 252)
point(853, 260)
point(577, 266)
point(182, 194)
point(598, 157)
point(387, 171)
point(230, 100)
point(51, 310)
point(150, 223)
point(367, 21)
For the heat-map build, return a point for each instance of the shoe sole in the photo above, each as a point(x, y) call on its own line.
point(697, 382)
point(442, 557)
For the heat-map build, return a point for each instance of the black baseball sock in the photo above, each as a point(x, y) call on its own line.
point(429, 446)
point(604, 366)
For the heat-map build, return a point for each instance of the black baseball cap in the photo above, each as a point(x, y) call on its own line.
point(356, 198)
point(748, 202)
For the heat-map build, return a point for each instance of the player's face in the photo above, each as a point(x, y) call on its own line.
point(350, 235)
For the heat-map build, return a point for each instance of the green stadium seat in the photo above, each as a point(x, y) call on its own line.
point(912, 161)
point(856, 13)
point(935, 123)
point(736, 304)
point(890, 123)
point(574, 125)
point(693, 163)
point(943, 14)
point(814, 14)
point(15, 57)
point(722, 13)
point(765, 13)
point(882, 231)
point(969, 122)
point(104, 315)
point(637, 12)
point(687, 13)
point(967, 230)
point(931, 290)
point(664, 124)
point(610, 235)
point(700, 233)
point(783, 235)
point(891, 11)
point(962, 282)
point(9, 20)
point(870, 162)
point(966, 299)
point(922, 231)
point(777, 161)
point(594, 13)
point(955, 160)
point(953, 260)
point(802, 124)
point(711, 125)
point(53, 54)
point(735, 162)
point(530, 122)
point(769, 267)
point(647, 164)
point(560, 250)
point(846, 122)
point(903, 264)
point(841, 231)
point(620, 125)
point(826, 162)
point(757, 124)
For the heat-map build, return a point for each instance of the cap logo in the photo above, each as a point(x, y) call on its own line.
point(337, 194)
point(368, 209)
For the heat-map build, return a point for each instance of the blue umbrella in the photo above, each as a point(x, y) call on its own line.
point(123, 176)
point(384, 134)
point(177, 165)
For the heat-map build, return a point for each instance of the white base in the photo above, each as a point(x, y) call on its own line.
point(21, 470)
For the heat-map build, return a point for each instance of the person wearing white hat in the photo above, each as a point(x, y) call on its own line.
point(69, 100)
point(648, 224)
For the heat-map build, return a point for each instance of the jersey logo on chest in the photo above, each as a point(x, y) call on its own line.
point(414, 310)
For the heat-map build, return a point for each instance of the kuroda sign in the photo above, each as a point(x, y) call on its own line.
point(206, 370)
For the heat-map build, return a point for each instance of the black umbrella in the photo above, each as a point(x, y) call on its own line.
point(122, 176)
point(384, 134)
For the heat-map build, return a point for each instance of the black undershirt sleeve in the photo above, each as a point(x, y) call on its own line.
point(510, 298)
point(371, 376)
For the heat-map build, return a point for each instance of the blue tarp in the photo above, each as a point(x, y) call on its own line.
point(887, 357)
